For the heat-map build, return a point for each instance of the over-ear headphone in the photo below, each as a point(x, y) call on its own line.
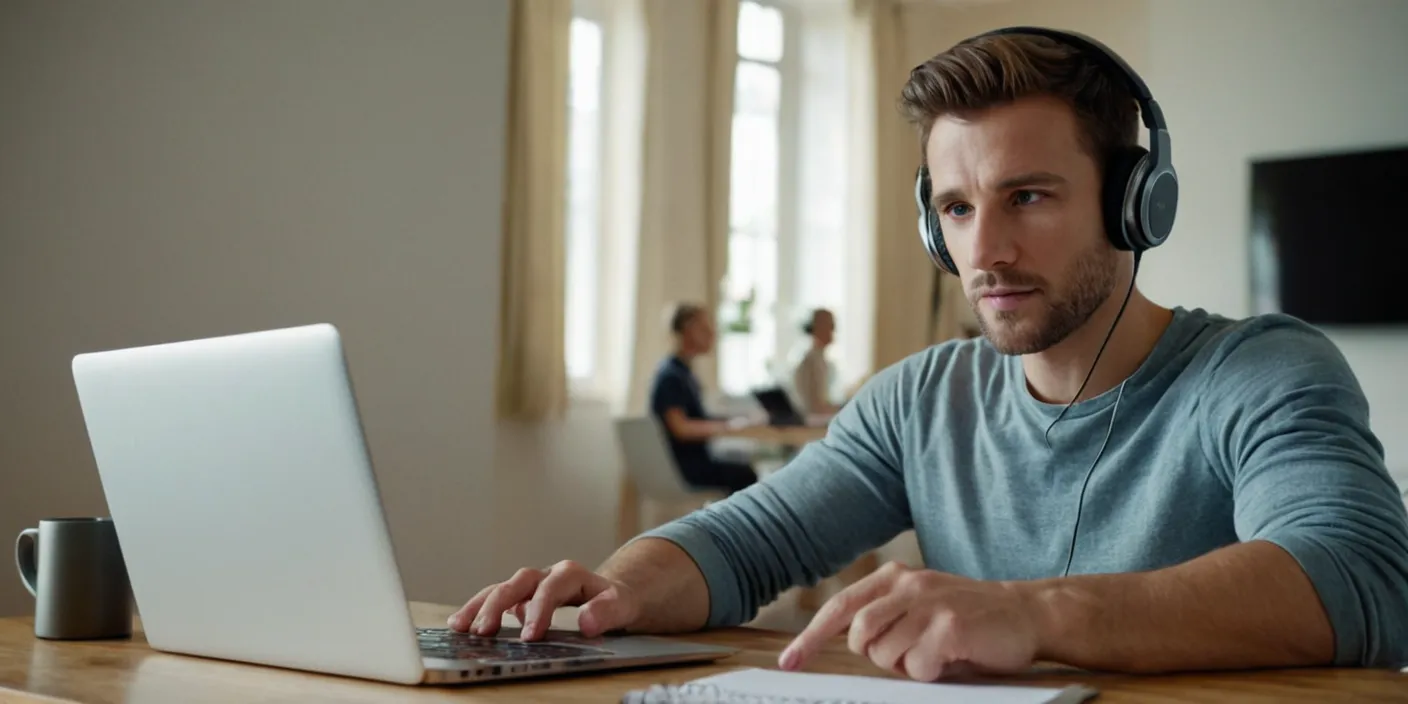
point(1139, 194)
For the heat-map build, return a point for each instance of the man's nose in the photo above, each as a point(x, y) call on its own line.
point(993, 243)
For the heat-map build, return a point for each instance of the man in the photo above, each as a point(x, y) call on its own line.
point(1207, 496)
point(675, 400)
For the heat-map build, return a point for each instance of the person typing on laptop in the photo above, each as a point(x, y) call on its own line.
point(675, 400)
point(1098, 480)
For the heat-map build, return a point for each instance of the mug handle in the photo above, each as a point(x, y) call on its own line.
point(26, 559)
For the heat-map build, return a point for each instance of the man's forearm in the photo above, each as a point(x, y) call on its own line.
point(697, 429)
point(670, 588)
point(1245, 606)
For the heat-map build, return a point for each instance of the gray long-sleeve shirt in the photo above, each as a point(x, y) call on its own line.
point(1229, 431)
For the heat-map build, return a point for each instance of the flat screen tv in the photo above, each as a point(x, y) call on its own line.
point(1329, 237)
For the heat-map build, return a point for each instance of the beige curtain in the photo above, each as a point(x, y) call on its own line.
point(532, 378)
point(683, 246)
point(903, 274)
point(857, 336)
point(623, 109)
point(682, 249)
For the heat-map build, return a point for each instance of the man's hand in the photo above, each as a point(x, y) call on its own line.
point(925, 625)
point(745, 421)
point(533, 595)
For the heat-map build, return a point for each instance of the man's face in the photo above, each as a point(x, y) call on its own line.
point(699, 333)
point(1018, 199)
point(824, 328)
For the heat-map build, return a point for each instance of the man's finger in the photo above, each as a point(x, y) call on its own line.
point(835, 615)
point(925, 671)
point(873, 621)
point(461, 619)
point(604, 612)
point(517, 589)
point(559, 588)
point(942, 650)
point(892, 649)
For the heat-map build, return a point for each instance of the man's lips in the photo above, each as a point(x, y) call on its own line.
point(1006, 298)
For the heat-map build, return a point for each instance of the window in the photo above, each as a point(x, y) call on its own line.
point(748, 323)
point(801, 221)
point(583, 221)
point(822, 235)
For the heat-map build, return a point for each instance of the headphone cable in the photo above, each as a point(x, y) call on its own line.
point(1080, 502)
point(1128, 292)
point(1109, 429)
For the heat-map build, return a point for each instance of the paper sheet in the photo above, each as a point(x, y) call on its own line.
point(802, 686)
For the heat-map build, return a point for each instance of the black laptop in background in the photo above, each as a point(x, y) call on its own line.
point(779, 407)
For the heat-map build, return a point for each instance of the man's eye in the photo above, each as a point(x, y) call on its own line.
point(958, 210)
point(1028, 197)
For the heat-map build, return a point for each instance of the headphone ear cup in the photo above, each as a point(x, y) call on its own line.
point(930, 235)
point(1124, 176)
point(938, 251)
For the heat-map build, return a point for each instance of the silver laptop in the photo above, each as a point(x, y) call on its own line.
point(242, 491)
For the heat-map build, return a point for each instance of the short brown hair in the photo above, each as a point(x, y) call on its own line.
point(988, 71)
point(681, 314)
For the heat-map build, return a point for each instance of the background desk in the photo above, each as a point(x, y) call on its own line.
point(784, 435)
point(128, 671)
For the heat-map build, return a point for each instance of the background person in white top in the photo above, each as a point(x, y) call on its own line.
point(812, 377)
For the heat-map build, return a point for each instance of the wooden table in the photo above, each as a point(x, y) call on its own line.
point(109, 672)
point(785, 435)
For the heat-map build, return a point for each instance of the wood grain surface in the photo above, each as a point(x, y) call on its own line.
point(129, 672)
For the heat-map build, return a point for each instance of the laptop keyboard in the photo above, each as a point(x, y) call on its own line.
point(454, 645)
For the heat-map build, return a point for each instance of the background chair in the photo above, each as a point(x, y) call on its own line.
point(652, 469)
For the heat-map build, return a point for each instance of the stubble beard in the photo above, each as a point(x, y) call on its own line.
point(1092, 280)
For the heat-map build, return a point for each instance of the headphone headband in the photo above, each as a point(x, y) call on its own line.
point(1140, 193)
point(1149, 110)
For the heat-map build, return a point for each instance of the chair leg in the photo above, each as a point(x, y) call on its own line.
point(628, 512)
point(811, 599)
point(863, 566)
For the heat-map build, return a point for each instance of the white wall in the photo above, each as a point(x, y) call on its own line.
point(1238, 81)
point(559, 486)
point(1253, 78)
point(174, 169)
point(1122, 24)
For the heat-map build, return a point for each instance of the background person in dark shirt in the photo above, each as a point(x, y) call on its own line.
point(675, 399)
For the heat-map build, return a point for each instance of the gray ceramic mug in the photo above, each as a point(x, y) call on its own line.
point(74, 569)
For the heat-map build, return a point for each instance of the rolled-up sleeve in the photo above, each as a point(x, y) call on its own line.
point(1289, 424)
point(838, 498)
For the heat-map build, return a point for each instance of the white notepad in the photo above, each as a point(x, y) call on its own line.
point(759, 686)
